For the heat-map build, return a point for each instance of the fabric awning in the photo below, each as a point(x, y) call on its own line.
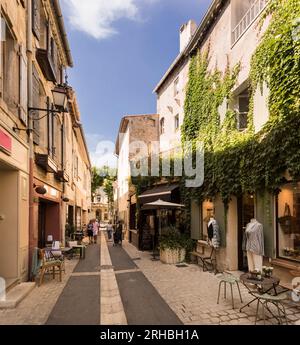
point(160, 192)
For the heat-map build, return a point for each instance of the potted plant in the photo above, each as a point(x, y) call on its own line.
point(255, 275)
point(173, 246)
point(267, 271)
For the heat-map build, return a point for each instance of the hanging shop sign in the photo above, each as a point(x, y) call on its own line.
point(5, 143)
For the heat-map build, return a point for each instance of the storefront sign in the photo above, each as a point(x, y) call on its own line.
point(51, 192)
point(5, 143)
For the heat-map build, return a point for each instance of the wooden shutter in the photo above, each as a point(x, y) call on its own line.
point(195, 221)
point(36, 104)
point(36, 17)
point(23, 86)
point(220, 218)
point(55, 59)
point(265, 215)
point(1, 54)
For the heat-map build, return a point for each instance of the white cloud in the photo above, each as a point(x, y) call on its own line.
point(97, 17)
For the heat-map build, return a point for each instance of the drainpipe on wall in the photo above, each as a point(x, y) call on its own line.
point(64, 205)
point(30, 133)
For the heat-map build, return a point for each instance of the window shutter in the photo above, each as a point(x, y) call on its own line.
point(220, 218)
point(36, 104)
point(55, 59)
point(265, 215)
point(23, 86)
point(2, 32)
point(195, 221)
point(36, 14)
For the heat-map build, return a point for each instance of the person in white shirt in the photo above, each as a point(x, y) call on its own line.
point(109, 230)
point(95, 230)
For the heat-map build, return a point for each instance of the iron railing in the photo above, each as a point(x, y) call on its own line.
point(254, 11)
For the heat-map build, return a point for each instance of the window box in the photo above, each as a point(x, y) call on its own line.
point(62, 176)
point(45, 162)
point(45, 61)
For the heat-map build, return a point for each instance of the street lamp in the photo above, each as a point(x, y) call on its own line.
point(60, 99)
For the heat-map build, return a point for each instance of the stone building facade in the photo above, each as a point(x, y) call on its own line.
point(231, 34)
point(100, 206)
point(14, 148)
point(60, 162)
point(136, 137)
point(44, 162)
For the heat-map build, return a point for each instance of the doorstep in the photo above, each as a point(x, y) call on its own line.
point(15, 295)
point(11, 283)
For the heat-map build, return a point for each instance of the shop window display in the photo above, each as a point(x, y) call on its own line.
point(289, 222)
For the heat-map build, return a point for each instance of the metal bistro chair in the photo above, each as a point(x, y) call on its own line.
point(228, 278)
point(276, 300)
point(209, 261)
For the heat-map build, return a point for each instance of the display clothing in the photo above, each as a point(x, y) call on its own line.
point(255, 238)
point(254, 245)
point(255, 262)
point(213, 232)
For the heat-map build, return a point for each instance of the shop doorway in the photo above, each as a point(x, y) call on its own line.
point(246, 211)
point(42, 225)
point(71, 215)
point(48, 222)
point(9, 224)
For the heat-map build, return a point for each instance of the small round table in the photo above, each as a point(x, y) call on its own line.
point(263, 285)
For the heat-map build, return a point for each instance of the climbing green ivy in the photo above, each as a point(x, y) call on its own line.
point(238, 162)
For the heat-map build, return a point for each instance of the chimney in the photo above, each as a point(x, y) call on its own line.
point(187, 30)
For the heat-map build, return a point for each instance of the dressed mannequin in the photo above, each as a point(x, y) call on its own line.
point(254, 245)
point(213, 232)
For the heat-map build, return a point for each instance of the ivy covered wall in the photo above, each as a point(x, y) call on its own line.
point(237, 162)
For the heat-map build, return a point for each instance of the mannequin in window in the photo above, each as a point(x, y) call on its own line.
point(254, 245)
point(213, 232)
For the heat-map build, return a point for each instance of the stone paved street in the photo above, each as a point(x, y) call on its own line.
point(36, 307)
point(79, 302)
point(190, 293)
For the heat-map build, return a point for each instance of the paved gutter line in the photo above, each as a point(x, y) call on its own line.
point(85, 274)
point(128, 271)
point(111, 306)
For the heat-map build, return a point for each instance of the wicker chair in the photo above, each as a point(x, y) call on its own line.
point(49, 263)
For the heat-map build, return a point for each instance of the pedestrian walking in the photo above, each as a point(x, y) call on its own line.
point(118, 234)
point(109, 230)
point(90, 231)
point(95, 230)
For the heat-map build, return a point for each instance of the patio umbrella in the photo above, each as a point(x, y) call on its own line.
point(160, 205)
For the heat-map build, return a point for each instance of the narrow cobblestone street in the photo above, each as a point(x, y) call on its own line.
point(192, 294)
point(133, 290)
point(79, 302)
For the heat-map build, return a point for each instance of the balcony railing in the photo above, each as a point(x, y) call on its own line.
point(250, 16)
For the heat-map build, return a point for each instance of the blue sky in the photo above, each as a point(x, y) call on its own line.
point(121, 49)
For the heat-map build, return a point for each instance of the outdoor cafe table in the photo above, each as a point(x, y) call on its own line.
point(58, 252)
point(62, 250)
point(265, 285)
